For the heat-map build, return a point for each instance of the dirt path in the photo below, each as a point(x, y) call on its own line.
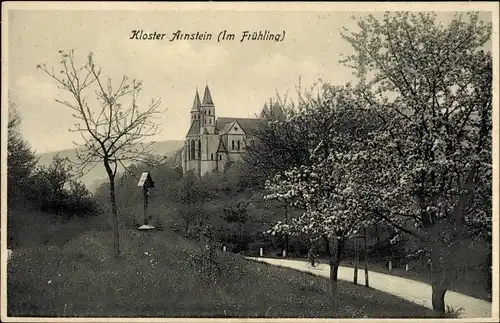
point(407, 289)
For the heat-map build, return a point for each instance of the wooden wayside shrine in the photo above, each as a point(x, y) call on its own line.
point(146, 182)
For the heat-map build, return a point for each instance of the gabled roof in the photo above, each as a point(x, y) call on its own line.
point(194, 130)
point(225, 126)
point(196, 103)
point(222, 148)
point(146, 180)
point(248, 125)
point(207, 97)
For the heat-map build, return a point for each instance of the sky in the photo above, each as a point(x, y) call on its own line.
point(241, 76)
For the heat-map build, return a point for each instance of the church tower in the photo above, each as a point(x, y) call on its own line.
point(207, 113)
point(208, 136)
point(192, 144)
point(195, 110)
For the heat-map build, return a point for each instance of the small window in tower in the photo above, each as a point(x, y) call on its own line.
point(235, 128)
point(212, 156)
point(233, 144)
point(220, 157)
point(238, 145)
point(210, 121)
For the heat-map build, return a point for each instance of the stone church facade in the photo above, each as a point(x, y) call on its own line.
point(212, 142)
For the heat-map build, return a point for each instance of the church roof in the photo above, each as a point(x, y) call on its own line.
point(196, 103)
point(222, 148)
point(207, 97)
point(195, 128)
point(248, 125)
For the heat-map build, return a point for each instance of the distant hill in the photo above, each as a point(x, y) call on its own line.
point(98, 175)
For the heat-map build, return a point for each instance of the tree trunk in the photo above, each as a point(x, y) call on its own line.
point(438, 305)
point(440, 281)
point(116, 233)
point(334, 250)
point(286, 235)
point(356, 261)
point(286, 244)
point(367, 284)
point(334, 268)
point(114, 213)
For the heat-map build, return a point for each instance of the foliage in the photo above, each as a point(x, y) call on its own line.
point(430, 173)
point(323, 188)
point(21, 159)
point(411, 146)
point(435, 103)
point(280, 143)
point(453, 312)
point(39, 197)
point(52, 189)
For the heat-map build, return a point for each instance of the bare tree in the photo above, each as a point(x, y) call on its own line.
point(113, 132)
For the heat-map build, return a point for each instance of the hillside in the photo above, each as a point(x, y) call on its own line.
point(160, 275)
point(97, 175)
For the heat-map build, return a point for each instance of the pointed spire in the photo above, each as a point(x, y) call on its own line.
point(207, 97)
point(265, 111)
point(196, 103)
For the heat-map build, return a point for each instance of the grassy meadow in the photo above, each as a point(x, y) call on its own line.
point(157, 276)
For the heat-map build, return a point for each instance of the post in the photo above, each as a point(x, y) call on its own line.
point(284, 253)
point(429, 265)
point(366, 258)
point(261, 252)
point(287, 239)
point(355, 260)
point(224, 249)
point(146, 204)
point(465, 278)
point(407, 267)
point(390, 265)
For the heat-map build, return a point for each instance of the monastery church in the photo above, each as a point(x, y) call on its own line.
point(213, 142)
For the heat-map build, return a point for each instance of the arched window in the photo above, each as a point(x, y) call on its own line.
point(233, 144)
point(238, 145)
point(220, 157)
point(199, 148)
point(192, 156)
point(212, 156)
point(210, 121)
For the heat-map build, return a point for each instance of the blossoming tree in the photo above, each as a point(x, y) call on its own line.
point(428, 172)
point(323, 189)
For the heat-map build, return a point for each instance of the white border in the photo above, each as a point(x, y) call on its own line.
point(250, 6)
